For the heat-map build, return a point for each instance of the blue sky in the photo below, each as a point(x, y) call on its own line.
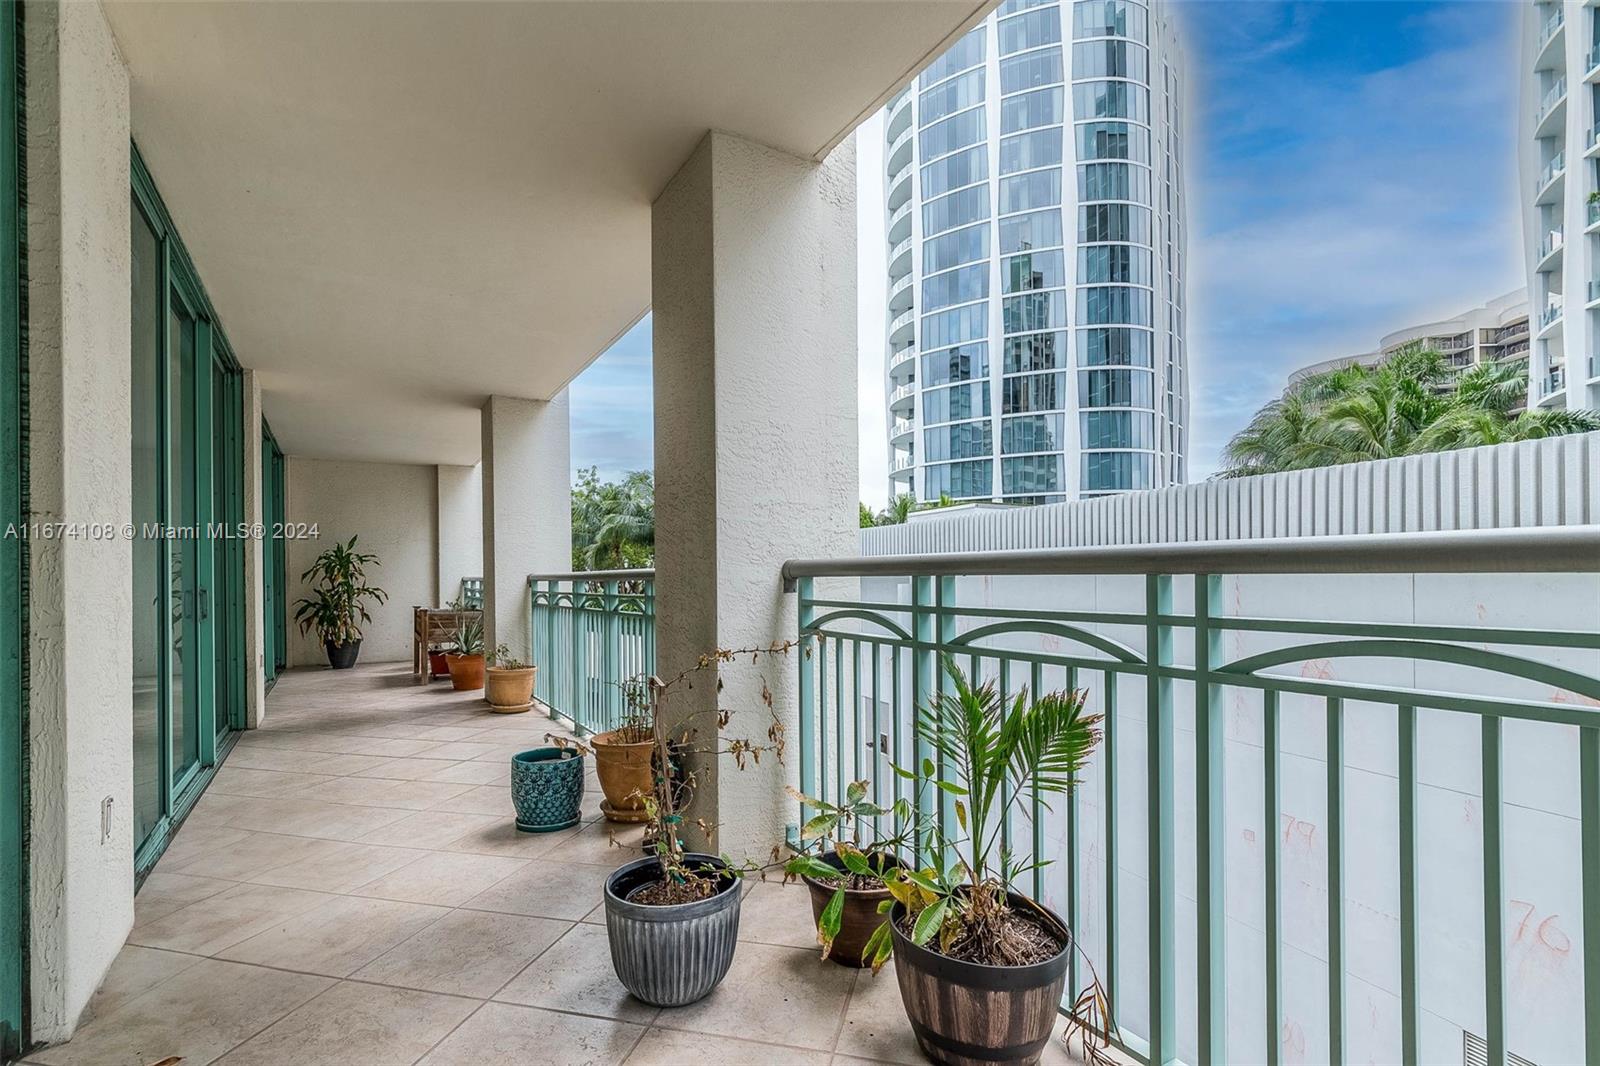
point(1351, 169)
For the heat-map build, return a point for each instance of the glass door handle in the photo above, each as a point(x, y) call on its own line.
point(205, 603)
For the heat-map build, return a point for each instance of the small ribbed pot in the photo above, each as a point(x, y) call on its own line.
point(547, 789)
point(671, 956)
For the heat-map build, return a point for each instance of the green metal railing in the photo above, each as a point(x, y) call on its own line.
point(590, 633)
point(1152, 632)
point(472, 593)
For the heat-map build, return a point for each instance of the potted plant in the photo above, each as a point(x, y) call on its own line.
point(547, 786)
point(466, 661)
point(337, 607)
point(438, 659)
point(672, 917)
point(508, 682)
point(846, 878)
point(981, 966)
point(623, 757)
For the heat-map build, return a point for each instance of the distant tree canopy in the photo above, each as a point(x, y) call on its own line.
point(899, 509)
point(1411, 402)
point(613, 522)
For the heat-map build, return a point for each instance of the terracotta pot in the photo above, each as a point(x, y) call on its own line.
point(625, 777)
point(438, 664)
point(509, 691)
point(969, 1014)
point(466, 672)
point(860, 916)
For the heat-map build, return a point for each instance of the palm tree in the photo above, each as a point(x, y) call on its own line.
point(613, 523)
point(1412, 402)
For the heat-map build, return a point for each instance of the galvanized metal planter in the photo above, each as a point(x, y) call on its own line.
point(547, 789)
point(670, 956)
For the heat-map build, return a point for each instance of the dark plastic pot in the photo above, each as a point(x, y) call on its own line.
point(860, 916)
point(342, 656)
point(671, 956)
point(547, 789)
point(969, 1014)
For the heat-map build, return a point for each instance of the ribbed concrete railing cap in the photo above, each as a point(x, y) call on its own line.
point(1551, 549)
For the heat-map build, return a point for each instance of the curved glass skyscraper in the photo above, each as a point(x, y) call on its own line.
point(1036, 230)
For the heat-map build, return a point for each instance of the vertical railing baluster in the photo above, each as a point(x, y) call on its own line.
point(1589, 827)
point(1273, 888)
point(808, 695)
point(1408, 885)
point(1005, 783)
point(822, 718)
point(855, 708)
point(896, 751)
point(946, 629)
point(1494, 970)
point(1335, 753)
point(1035, 800)
point(580, 668)
point(611, 687)
point(838, 720)
point(1159, 813)
point(1108, 760)
point(924, 670)
point(1072, 863)
point(874, 742)
point(648, 604)
point(1210, 823)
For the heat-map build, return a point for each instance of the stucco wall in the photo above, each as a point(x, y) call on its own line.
point(391, 507)
point(527, 508)
point(754, 275)
point(460, 529)
point(80, 425)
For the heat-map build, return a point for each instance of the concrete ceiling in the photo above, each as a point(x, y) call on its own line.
point(401, 208)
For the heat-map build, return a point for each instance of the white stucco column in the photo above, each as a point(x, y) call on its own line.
point(80, 646)
point(460, 525)
point(255, 640)
point(527, 508)
point(754, 296)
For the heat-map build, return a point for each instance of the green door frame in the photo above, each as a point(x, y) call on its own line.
point(212, 614)
point(13, 561)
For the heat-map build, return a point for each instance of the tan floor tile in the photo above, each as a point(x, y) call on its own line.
point(196, 1015)
point(429, 829)
point(243, 781)
point(465, 953)
point(194, 839)
point(338, 866)
point(601, 844)
point(446, 879)
point(500, 1032)
point(502, 837)
point(480, 799)
point(162, 893)
point(136, 971)
point(546, 889)
point(576, 974)
point(241, 860)
point(356, 1023)
point(406, 769)
point(772, 989)
point(775, 913)
point(241, 912)
point(875, 1024)
point(668, 1047)
point(459, 750)
point(336, 938)
point(342, 765)
point(472, 773)
point(273, 758)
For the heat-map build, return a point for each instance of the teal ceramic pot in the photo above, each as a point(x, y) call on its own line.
point(547, 789)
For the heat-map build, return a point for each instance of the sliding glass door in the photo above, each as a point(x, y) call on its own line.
point(188, 467)
point(273, 556)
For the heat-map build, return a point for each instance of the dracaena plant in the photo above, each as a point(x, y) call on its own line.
point(865, 865)
point(338, 604)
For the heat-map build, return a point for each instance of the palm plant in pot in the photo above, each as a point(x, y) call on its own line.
point(981, 966)
point(845, 877)
point(508, 682)
point(672, 917)
point(337, 607)
point(466, 661)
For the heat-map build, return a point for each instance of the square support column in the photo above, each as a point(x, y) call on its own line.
point(460, 525)
point(527, 509)
point(80, 425)
point(754, 294)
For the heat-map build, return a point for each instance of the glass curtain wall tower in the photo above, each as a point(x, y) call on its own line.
point(1036, 230)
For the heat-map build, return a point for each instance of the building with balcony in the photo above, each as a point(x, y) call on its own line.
point(1495, 331)
point(1033, 191)
point(278, 275)
point(1559, 175)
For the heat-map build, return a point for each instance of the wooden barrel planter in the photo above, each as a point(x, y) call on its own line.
point(969, 1014)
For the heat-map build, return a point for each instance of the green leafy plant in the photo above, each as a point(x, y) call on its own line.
point(865, 865)
point(468, 637)
point(337, 607)
point(503, 659)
